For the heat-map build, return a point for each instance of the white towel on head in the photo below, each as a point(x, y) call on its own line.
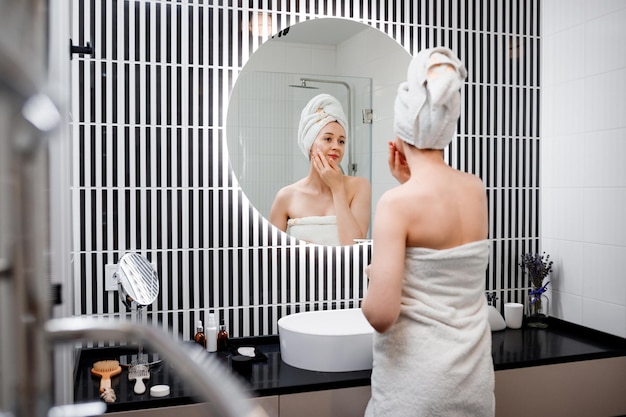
point(319, 111)
point(428, 104)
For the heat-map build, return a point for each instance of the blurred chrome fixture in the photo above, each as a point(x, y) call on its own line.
point(212, 380)
point(41, 112)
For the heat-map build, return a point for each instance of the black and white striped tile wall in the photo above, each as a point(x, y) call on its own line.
point(151, 173)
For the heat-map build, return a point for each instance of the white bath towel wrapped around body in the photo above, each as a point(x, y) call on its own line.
point(315, 229)
point(436, 359)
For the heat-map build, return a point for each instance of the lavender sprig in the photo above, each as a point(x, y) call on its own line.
point(537, 267)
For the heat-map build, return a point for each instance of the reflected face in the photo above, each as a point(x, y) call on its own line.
point(331, 141)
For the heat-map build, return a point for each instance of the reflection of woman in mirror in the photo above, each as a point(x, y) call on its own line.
point(426, 295)
point(325, 207)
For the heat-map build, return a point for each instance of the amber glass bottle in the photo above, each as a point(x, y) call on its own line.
point(222, 337)
point(199, 337)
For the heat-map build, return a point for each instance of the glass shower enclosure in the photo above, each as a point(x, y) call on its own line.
point(262, 129)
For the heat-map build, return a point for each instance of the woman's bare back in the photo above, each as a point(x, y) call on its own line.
point(442, 208)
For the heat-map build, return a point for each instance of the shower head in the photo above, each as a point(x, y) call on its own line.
point(302, 85)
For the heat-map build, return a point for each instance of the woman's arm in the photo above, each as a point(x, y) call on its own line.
point(278, 212)
point(361, 204)
point(353, 214)
point(353, 217)
point(381, 304)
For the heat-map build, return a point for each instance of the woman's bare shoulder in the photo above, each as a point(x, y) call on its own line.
point(287, 192)
point(397, 196)
point(357, 185)
point(356, 181)
point(294, 187)
point(471, 179)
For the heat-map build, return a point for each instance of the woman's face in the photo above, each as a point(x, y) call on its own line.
point(331, 141)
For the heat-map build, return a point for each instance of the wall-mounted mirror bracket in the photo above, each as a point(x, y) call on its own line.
point(76, 49)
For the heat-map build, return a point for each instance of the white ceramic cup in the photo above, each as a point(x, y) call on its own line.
point(513, 315)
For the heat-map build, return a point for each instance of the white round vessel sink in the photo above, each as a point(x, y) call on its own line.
point(327, 340)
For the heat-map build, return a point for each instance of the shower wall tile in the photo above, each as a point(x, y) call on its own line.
point(567, 306)
point(604, 104)
point(599, 206)
point(604, 152)
point(568, 107)
point(563, 213)
point(151, 171)
point(572, 148)
point(604, 263)
point(599, 43)
point(603, 316)
point(565, 14)
point(602, 8)
point(570, 267)
point(564, 62)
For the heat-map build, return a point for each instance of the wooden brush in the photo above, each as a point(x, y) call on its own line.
point(105, 370)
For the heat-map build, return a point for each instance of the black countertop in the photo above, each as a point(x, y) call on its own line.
point(561, 342)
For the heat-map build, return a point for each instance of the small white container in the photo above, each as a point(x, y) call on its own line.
point(211, 334)
point(160, 391)
point(514, 315)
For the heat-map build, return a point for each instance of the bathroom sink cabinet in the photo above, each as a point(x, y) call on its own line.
point(582, 388)
point(344, 402)
point(565, 370)
point(269, 404)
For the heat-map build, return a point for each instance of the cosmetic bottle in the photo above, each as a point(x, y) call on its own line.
point(222, 337)
point(211, 334)
point(199, 337)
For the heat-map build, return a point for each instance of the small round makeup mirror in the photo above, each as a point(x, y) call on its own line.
point(138, 283)
point(138, 287)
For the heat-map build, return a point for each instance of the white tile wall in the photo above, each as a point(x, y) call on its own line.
point(583, 153)
point(604, 152)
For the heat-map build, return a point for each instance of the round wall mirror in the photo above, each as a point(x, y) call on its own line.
point(356, 63)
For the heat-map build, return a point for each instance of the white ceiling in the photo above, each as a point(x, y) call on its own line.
point(327, 31)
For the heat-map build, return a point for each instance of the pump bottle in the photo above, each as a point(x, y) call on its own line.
point(211, 334)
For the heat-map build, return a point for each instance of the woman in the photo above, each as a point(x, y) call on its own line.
point(325, 207)
point(432, 346)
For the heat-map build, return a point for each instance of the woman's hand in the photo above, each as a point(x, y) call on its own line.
point(398, 165)
point(329, 172)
